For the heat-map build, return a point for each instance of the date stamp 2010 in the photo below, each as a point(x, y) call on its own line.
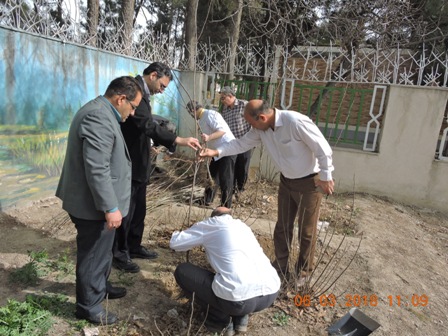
point(358, 300)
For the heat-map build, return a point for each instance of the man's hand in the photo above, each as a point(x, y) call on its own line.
point(207, 152)
point(155, 151)
point(113, 219)
point(190, 142)
point(326, 186)
point(205, 137)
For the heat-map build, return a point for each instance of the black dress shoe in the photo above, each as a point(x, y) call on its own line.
point(202, 202)
point(115, 292)
point(102, 318)
point(126, 266)
point(143, 253)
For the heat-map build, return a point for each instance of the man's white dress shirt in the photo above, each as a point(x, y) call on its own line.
point(242, 269)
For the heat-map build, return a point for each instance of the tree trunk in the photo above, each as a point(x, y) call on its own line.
point(234, 39)
point(191, 37)
point(93, 7)
point(127, 16)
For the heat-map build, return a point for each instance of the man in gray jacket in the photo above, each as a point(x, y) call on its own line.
point(95, 188)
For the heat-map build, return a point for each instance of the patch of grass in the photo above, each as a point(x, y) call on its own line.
point(79, 324)
point(24, 319)
point(30, 273)
point(56, 304)
point(126, 279)
point(356, 211)
point(348, 231)
point(26, 275)
point(281, 319)
point(63, 265)
point(39, 256)
point(41, 265)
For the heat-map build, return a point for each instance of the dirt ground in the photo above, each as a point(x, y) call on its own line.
point(373, 252)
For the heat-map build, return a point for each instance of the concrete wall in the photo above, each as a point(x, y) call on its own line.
point(405, 168)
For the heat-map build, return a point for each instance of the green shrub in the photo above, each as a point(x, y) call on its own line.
point(24, 319)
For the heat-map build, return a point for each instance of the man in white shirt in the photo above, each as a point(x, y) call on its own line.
point(216, 132)
point(304, 158)
point(244, 280)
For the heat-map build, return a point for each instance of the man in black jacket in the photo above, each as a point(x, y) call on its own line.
point(138, 131)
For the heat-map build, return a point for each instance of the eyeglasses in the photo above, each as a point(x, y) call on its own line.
point(132, 105)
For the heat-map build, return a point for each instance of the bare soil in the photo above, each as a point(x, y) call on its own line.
point(374, 251)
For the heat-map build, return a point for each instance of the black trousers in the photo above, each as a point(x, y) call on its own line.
point(93, 263)
point(242, 164)
point(222, 172)
point(128, 236)
point(194, 279)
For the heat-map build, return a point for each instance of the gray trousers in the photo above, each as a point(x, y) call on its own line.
point(194, 279)
point(93, 264)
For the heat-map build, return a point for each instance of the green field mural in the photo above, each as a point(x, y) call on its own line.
point(43, 83)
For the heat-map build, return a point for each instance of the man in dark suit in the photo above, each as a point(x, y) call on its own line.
point(138, 131)
point(95, 188)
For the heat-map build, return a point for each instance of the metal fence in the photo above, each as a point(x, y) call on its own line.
point(349, 115)
point(427, 66)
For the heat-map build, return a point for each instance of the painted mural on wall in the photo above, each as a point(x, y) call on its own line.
point(43, 83)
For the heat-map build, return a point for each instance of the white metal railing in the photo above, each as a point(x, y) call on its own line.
point(443, 147)
point(375, 118)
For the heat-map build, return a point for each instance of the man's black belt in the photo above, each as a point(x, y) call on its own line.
point(306, 177)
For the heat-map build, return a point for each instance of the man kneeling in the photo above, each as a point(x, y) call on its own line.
point(244, 282)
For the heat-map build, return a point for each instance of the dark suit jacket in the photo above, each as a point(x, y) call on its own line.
point(138, 131)
point(167, 125)
point(96, 175)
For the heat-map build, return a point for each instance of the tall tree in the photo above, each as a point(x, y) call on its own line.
point(236, 23)
point(127, 22)
point(109, 26)
point(93, 7)
point(191, 33)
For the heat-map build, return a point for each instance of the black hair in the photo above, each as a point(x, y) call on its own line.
point(125, 85)
point(193, 106)
point(160, 68)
